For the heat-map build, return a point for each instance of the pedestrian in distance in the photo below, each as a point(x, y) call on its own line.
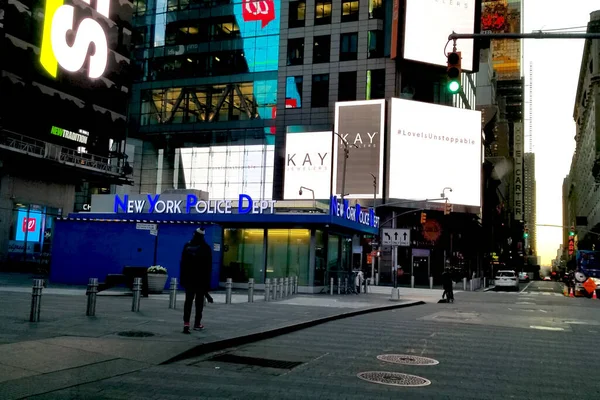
point(195, 275)
point(447, 284)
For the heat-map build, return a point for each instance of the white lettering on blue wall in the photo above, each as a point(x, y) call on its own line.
point(353, 213)
point(154, 205)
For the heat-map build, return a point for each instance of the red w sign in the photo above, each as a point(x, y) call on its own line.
point(262, 10)
point(28, 225)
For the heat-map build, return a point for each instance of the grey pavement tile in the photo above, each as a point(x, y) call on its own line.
point(40, 384)
point(8, 372)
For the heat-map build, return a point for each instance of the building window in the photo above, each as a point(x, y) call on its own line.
point(319, 97)
point(297, 14)
point(348, 46)
point(293, 92)
point(376, 10)
point(243, 258)
point(375, 44)
point(321, 49)
point(349, 10)
point(347, 86)
point(375, 84)
point(295, 51)
point(323, 12)
point(288, 254)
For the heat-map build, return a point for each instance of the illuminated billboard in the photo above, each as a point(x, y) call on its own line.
point(66, 64)
point(503, 16)
point(427, 154)
point(361, 125)
point(308, 164)
point(226, 171)
point(428, 25)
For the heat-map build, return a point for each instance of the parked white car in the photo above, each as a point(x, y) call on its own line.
point(506, 280)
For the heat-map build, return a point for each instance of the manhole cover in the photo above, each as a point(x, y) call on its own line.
point(135, 334)
point(393, 378)
point(407, 360)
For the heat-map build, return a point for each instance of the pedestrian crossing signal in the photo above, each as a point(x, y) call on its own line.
point(423, 218)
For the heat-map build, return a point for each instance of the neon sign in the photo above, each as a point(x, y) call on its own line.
point(55, 50)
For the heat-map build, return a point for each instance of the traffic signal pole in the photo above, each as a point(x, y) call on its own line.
point(534, 35)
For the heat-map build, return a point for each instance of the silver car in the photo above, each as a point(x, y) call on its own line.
point(506, 280)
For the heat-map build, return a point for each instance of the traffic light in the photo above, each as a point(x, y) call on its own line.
point(454, 71)
point(572, 231)
point(448, 208)
point(423, 217)
point(526, 233)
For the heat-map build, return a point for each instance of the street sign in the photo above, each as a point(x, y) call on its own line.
point(396, 237)
point(154, 232)
point(145, 227)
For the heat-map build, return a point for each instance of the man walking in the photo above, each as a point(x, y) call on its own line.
point(447, 285)
point(195, 275)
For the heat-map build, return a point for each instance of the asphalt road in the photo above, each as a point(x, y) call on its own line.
point(489, 345)
point(541, 287)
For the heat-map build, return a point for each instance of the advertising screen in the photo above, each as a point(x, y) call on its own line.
point(28, 226)
point(226, 171)
point(503, 16)
point(428, 25)
point(308, 163)
point(433, 147)
point(66, 68)
point(361, 125)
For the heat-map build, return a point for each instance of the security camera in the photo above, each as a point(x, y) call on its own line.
point(300, 192)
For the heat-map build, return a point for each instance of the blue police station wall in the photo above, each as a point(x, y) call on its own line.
point(83, 250)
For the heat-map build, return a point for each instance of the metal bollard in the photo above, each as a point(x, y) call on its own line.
point(36, 300)
point(339, 285)
point(484, 282)
point(251, 290)
point(365, 282)
point(412, 282)
point(267, 289)
point(92, 291)
point(472, 285)
point(228, 285)
point(289, 287)
point(465, 284)
point(274, 289)
point(173, 294)
point(284, 289)
point(137, 294)
point(279, 287)
point(431, 282)
point(331, 287)
point(345, 285)
point(296, 284)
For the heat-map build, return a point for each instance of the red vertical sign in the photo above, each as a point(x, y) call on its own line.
point(262, 10)
point(395, 12)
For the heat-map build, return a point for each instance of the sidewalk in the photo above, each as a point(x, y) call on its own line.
point(66, 348)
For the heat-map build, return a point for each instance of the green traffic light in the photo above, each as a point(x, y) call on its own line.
point(526, 235)
point(453, 86)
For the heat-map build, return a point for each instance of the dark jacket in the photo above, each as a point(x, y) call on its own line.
point(196, 264)
point(447, 280)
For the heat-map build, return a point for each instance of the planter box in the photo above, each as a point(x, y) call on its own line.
point(156, 282)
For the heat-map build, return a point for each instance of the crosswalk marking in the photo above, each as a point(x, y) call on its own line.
point(525, 294)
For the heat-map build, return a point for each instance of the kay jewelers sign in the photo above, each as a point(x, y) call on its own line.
point(81, 137)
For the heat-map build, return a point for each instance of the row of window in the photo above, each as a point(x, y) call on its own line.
point(350, 12)
point(322, 48)
point(319, 96)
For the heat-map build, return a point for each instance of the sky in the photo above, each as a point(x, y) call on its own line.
point(553, 92)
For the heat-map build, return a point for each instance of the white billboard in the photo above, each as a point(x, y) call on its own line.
point(428, 25)
point(433, 147)
point(227, 171)
point(362, 125)
point(308, 158)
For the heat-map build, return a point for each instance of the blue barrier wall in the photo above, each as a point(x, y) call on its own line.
point(83, 250)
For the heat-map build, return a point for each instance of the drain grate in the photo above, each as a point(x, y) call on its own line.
point(135, 334)
point(407, 359)
point(255, 361)
point(393, 379)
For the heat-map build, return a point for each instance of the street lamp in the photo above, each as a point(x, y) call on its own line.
point(443, 194)
point(346, 154)
point(313, 194)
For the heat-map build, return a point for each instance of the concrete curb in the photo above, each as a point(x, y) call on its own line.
point(271, 333)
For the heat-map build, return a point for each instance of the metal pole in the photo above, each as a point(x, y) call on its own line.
point(373, 258)
point(251, 290)
point(36, 300)
point(412, 281)
point(331, 286)
point(137, 294)
point(173, 294)
point(484, 282)
point(394, 254)
point(431, 282)
point(346, 152)
point(465, 284)
point(91, 293)
point(339, 285)
point(533, 35)
point(267, 289)
point(228, 285)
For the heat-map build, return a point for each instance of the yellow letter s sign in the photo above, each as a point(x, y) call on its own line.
point(58, 21)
